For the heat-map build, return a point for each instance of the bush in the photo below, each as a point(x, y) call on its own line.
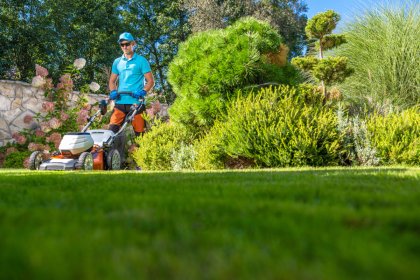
point(275, 127)
point(183, 158)
point(383, 48)
point(16, 159)
point(158, 145)
point(396, 137)
point(211, 65)
point(209, 150)
point(359, 150)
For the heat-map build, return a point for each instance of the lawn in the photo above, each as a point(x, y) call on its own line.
point(327, 223)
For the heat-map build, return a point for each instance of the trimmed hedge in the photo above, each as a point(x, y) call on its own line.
point(156, 148)
point(396, 137)
point(273, 128)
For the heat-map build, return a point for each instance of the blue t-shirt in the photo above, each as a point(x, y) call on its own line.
point(131, 76)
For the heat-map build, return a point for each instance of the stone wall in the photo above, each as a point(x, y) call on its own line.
point(18, 99)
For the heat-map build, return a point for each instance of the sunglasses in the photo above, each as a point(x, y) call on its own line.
point(125, 44)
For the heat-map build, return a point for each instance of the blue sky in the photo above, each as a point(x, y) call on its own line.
point(346, 8)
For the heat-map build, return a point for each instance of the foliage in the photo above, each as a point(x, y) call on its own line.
point(332, 70)
point(211, 65)
point(322, 24)
point(183, 158)
point(330, 41)
point(16, 159)
point(383, 47)
point(209, 151)
point(326, 70)
point(286, 16)
point(62, 111)
point(357, 143)
point(396, 136)
point(278, 127)
point(158, 145)
point(53, 32)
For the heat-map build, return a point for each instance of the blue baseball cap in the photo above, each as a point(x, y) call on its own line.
point(126, 37)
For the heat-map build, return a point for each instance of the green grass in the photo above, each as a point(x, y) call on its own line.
point(305, 223)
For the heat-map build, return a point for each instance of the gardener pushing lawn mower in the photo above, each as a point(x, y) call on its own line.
point(104, 149)
point(135, 79)
point(89, 149)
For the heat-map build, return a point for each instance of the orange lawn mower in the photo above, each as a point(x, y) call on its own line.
point(96, 149)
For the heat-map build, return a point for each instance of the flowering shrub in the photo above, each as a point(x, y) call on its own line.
point(61, 112)
point(156, 109)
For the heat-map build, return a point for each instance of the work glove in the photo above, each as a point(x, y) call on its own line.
point(139, 93)
point(113, 95)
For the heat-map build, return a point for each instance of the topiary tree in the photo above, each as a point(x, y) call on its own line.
point(210, 66)
point(328, 70)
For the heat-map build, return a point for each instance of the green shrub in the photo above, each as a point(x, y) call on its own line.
point(396, 137)
point(157, 146)
point(383, 48)
point(16, 159)
point(210, 66)
point(183, 157)
point(357, 143)
point(209, 150)
point(276, 127)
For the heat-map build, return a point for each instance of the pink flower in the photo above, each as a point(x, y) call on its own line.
point(39, 133)
point(41, 71)
point(54, 123)
point(35, 147)
point(66, 83)
point(54, 138)
point(64, 116)
point(82, 117)
point(10, 151)
point(48, 106)
point(26, 162)
point(28, 119)
point(156, 106)
point(38, 81)
point(19, 138)
point(150, 112)
point(45, 127)
point(49, 84)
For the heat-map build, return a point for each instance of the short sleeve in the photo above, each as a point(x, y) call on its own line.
point(114, 69)
point(145, 66)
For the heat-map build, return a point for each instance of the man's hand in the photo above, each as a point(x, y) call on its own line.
point(113, 95)
point(139, 93)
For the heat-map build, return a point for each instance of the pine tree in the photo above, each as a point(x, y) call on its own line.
point(327, 70)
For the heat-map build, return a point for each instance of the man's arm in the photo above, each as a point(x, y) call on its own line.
point(112, 84)
point(150, 82)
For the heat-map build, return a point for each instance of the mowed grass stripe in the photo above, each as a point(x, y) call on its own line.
point(302, 223)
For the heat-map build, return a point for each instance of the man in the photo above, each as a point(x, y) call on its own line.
point(135, 79)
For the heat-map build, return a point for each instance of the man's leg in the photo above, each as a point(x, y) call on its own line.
point(117, 118)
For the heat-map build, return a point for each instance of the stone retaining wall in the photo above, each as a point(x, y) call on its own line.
point(18, 99)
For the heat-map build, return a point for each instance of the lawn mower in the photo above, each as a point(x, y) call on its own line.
point(96, 149)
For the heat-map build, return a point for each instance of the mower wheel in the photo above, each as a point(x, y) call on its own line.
point(85, 161)
point(35, 160)
point(113, 160)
